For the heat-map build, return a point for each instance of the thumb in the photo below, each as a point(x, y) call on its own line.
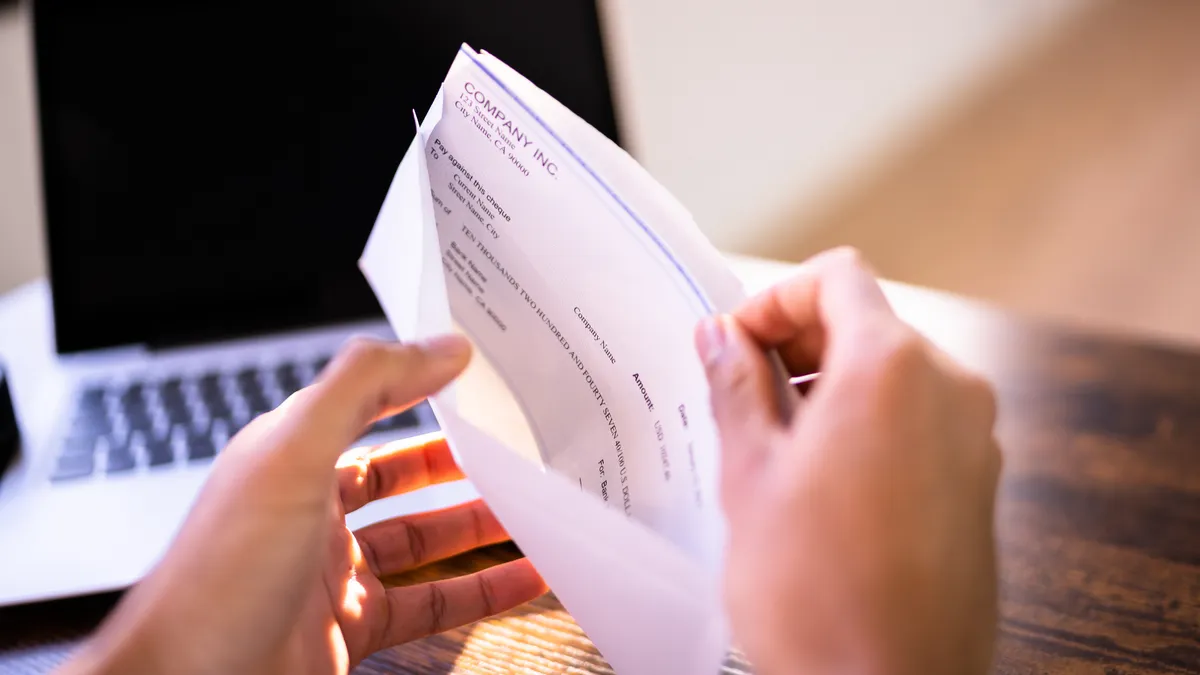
point(367, 380)
point(744, 398)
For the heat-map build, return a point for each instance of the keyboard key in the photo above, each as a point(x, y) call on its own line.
point(171, 393)
point(257, 405)
point(250, 387)
point(247, 377)
point(119, 435)
point(231, 425)
point(200, 446)
point(120, 460)
point(220, 433)
point(218, 409)
point(172, 402)
point(210, 387)
point(133, 395)
point(73, 466)
point(78, 445)
point(178, 414)
point(160, 452)
point(288, 379)
point(139, 420)
point(92, 396)
point(82, 438)
point(90, 425)
point(134, 402)
point(91, 403)
point(90, 411)
point(213, 397)
point(124, 421)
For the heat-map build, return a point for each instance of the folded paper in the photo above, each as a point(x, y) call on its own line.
point(579, 280)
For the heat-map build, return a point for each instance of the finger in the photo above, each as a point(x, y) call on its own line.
point(404, 543)
point(427, 609)
point(395, 468)
point(744, 395)
point(367, 379)
point(994, 458)
point(832, 294)
point(979, 396)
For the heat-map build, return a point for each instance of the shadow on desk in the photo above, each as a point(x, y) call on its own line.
point(38, 638)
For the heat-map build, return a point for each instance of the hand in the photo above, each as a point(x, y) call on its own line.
point(861, 530)
point(264, 577)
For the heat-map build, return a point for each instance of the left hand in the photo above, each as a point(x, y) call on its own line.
point(264, 576)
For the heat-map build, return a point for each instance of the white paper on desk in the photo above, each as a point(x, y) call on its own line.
point(579, 279)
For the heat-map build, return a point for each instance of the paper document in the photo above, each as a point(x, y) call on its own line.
point(579, 280)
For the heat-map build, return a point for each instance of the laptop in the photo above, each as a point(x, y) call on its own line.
point(211, 171)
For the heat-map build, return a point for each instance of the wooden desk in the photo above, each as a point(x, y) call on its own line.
point(1099, 517)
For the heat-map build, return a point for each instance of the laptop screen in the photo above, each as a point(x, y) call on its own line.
point(212, 169)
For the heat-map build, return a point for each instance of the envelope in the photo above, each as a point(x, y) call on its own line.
point(579, 280)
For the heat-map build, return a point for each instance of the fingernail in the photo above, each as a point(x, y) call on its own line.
point(710, 340)
point(448, 346)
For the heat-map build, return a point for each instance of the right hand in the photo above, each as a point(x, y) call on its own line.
point(861, 530)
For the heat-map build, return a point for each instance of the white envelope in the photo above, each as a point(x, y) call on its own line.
point(641, 574)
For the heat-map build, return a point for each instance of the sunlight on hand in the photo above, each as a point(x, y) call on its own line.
point(353, 596)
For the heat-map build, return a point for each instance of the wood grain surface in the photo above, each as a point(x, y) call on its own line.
point(1098, 525)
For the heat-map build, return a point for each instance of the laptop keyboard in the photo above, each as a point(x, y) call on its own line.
point(169, 421)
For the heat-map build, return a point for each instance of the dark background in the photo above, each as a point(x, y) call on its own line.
point(215, 167)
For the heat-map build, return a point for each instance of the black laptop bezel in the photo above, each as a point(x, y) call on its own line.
point(73, 333)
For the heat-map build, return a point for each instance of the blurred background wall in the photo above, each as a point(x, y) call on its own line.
point(1032, 153)
point(21, 249)
point(753, 110)
point(1066, 186)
